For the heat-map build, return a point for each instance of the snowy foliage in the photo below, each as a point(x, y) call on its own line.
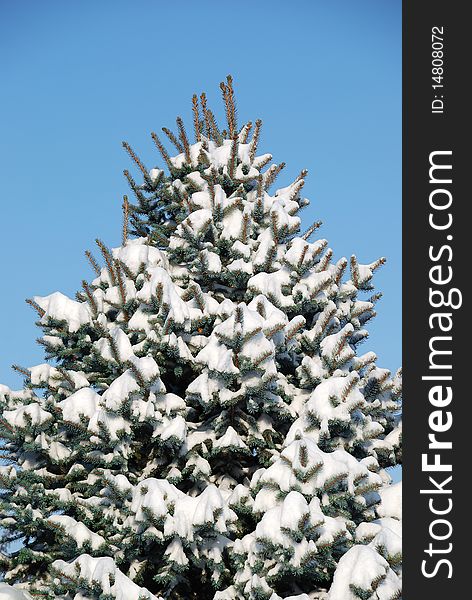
point(205, 426)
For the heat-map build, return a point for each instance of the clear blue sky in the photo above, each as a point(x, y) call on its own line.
point(79, 77)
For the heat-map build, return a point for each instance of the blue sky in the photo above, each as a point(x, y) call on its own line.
point(79, 77)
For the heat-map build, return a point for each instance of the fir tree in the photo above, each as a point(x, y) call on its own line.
point(205, 427)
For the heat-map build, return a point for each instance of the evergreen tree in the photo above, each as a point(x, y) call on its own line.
point(205, 427)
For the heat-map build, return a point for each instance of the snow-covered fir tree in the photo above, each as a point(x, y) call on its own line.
point(205, 426)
